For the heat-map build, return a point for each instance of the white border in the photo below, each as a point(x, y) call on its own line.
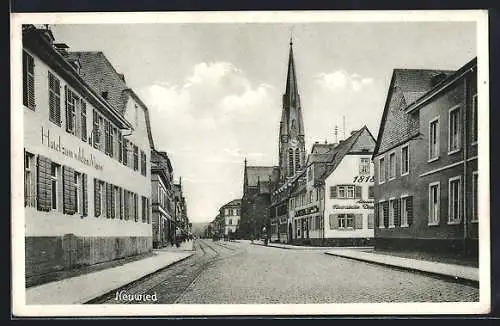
point(18, 293)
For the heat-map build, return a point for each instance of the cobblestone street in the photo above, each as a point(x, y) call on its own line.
point(242, 273)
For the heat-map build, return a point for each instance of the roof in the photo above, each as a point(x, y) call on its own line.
point(40, 41)
point(319, 158)
point(411, 84)
point(322, 148)
point(257, 174)
point(162, 160)
point(342, 149)
point(234, 202)
point(96, 69)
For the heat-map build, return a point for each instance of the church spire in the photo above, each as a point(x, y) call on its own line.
point(291, 91)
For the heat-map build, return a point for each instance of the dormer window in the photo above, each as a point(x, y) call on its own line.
point(104, 95)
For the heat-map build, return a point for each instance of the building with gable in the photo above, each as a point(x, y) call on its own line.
point(87, 149)
point(231, 212)
point(426, 173)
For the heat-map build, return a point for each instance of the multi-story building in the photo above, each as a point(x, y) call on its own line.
point(87, 191)
point(182, 230)
point(332, 203)
point(231, 213)
point(426, 162)
point(162, 200)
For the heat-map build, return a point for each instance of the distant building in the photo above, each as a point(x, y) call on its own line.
point(163, 200)
point(426, 162)
point(257, 184)
point(87, 166)
point(231, 212)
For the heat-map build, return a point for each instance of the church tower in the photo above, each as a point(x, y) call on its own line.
point(291, 138)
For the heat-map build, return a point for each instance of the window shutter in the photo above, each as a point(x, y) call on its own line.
point(376, 217)
point(44, 184)
point(97, 198)
point(397, 213)
point(357, 192)
point(371, 219)
point(66, 105)
point(371, 193)
point(136, 211)
point(112, 191)
point(83, 118)
point(386, 214)
point(125, 152)
point(108, 200)
point(95, 129)
point(68, 190)
point(52, 100)
point(111, 141)
point(120, 190)
point(409, 209)
point(120, 146)
point(333, 192)
point(126, 204)
point(334, 224)
point(85, 198)
point(358, 221)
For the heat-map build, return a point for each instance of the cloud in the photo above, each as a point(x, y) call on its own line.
point(208, 123)
point(341, 80)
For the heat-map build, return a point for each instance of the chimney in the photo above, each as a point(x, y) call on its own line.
point(437, 79)
point(104, 95)
point(122, 77)
point(62, 48)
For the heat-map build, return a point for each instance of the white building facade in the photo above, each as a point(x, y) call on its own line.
point(87, 169)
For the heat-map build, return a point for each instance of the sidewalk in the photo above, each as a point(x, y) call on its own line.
point(83, 288)
point(457, 272)
point(287, 246)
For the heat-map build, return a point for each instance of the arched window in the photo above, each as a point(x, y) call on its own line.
point(297, 159)
point(290, 161)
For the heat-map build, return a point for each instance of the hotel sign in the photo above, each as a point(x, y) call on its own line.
point(74, 153)
point(306, 211)
point(360, 204)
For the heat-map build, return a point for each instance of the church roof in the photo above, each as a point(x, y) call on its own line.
point(261, 173)
point(291, 90)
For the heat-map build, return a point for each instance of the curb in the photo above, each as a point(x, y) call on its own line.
point(463, 280)
point(104, 295)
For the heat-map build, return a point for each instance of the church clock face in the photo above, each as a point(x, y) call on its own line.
point(294, 142)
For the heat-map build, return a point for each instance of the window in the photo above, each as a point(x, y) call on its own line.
point(454, 200)
point(434, 203)
point(28, 81)
point(434, 139)
point(404, 211)
point(371, 192)
point(230, 222)
point(405, 160)
point(364, 166)
point(95, 131)
point(136, 158)
point(78, 192)
point(54, 99)
point(371, 220)
point(290, 162)
point(143, 163)
point(345, 221)
point(392, 212)
point(474, 119)
point(54, 180)
point(392, 166)
point(226, 212)
point(475, 216)
point(102, 142)
point(381, 215)
point(102, 197)
point(144, 206)
point(83, 117)
point(454, 130)
point(116, 201)
point(381, 170)
point(70, 111)
point(29, 179)
point(310, 196)
point(350, 191)
point(297, 160)
point(309, 174)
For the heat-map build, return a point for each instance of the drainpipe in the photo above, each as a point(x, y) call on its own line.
point(464, 131)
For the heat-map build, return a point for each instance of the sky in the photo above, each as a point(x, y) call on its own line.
point(214, 90)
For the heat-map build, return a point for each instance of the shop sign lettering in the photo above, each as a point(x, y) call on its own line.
point(77, 154)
